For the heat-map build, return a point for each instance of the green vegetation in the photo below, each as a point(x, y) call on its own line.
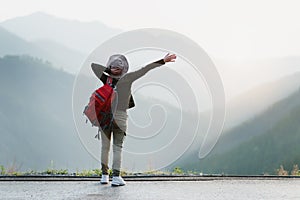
point(50, 171)
point(91, 173)
point(36, 122)
point(3, 171)
point(97, 172)
point(178, 171)
point(263, 153)
point(294, 172)
point(255, 147)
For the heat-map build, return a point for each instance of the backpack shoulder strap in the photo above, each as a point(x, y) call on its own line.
point(109, 80)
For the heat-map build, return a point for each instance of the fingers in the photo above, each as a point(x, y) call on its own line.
point(170, 57)
point(167, 56)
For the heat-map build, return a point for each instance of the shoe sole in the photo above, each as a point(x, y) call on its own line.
point(117, 185)
point(104, 183)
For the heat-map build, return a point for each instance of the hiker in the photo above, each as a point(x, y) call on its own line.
point(117, 68)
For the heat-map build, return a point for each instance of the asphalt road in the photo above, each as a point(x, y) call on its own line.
point(213, 189)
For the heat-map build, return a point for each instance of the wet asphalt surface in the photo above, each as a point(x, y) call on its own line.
point(208, 189)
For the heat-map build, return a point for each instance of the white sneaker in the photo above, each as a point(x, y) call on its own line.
point(117, 181)
point(104, 179)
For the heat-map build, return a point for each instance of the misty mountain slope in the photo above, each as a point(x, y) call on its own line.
point(258, 99)
point(36, 117)
point(264, 153)
point(12, 44)
point(36, 122)
point(259, 145)
point(242, 111)
point(66, 58)
point(60, 56)
point(80, 36)
point(259, 124)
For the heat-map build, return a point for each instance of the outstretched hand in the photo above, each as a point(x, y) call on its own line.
point(170, 58)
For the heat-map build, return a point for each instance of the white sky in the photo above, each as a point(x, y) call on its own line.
point(231, 29)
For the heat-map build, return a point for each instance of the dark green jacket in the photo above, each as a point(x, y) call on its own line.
point(123, 85)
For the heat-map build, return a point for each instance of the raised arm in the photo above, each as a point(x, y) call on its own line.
point(98, 69)
point(141, 72)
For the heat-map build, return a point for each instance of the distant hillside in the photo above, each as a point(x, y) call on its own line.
point(259, 145)
point(258, 99)
point(60, 56)
point(247, 106)
point(36, 123)
point(80, 36)
point(12, 44)
point(63, 57)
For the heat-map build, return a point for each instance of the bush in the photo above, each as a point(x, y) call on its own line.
point(3, 171)
point(282, 171)
point(295, 171)
point(177, 171)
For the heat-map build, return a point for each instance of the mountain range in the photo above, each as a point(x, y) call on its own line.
point(82, 37)
point(36, 117)
point(61, 56)
point(64, 43)
point(257, 146)
point(41, 53)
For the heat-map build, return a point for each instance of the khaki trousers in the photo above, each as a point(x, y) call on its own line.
point(118, 131)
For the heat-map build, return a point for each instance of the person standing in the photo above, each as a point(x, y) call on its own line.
point(117, 68)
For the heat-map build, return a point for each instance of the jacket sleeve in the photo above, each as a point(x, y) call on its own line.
point(98, 69)
point(141, 72)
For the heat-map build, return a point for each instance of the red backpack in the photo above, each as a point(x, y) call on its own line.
point(99, 109)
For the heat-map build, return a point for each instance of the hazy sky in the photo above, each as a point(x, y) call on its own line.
point(231, 29)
